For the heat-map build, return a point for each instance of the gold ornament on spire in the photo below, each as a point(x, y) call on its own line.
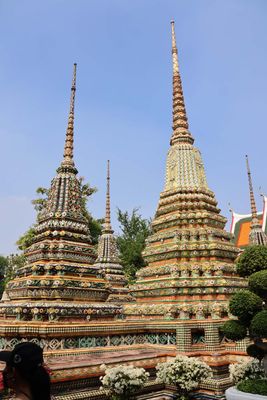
point(251, 193)
point(174, 52)
point(68, 149)
point(180, 123)
point(107, 226)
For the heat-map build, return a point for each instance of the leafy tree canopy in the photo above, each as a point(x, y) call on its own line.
point(253, 259)
point(8, 266)
point(234, 330)
point(249, 306)
point(131, 242)
point(3, 267)
point(3, 264)
point(258, 283)
point(15, 261)
point(25, 240)
point(244, 304)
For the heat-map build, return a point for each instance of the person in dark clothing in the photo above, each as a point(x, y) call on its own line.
point(25, 373)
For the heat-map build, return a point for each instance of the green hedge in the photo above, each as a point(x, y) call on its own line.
point(255, 386)
point(258, 325)
point(253, 259)
point(244, 305)
point(258, 283)
point(234, 330)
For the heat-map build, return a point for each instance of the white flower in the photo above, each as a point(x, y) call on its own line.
point(124, 379)
point(247, 369)
point(184, 372)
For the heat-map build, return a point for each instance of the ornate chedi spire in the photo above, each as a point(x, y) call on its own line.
point(59, 279)
point(184, 165)
point(68, 149)
point(256, 236)
point(108, 256)
point(107, 224)
point(180, 123)
point(190, 256)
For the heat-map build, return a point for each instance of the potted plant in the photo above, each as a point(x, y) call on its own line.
point(249, 308)
point(123, 381)
point(248, 377)
point(185, 373)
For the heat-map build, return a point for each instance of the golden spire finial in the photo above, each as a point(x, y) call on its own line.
point(68, 149)
point(174, 52)
point(251, 194)
point(107, 226)
point(180, 124)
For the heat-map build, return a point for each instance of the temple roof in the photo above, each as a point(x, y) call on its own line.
point(241, 224)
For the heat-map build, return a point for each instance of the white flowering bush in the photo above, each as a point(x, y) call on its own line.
point(184, 372)
point(247, 369)
point(123, 381)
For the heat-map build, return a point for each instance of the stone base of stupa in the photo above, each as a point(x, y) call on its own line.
point(75, 352)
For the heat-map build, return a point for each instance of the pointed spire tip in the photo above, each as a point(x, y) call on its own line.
point(68, 148)
point(107, 225)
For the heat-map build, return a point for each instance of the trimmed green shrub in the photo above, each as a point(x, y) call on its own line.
point(234, 330)
point(258, 283)
point(253, 259)
point(244, 304)
point(255, 386)
point(256, 352)
point(258, 325)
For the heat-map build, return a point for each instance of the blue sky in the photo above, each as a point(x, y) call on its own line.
point(123, 102)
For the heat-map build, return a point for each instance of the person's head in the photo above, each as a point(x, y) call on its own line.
point(24, 366)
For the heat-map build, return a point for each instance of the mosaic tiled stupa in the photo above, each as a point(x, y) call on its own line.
point(190, 255)
point(59, 281)
point(108, 257)
point(190, 274)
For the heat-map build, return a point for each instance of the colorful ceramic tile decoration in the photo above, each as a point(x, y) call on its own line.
point(108, 257)
point(75, 303)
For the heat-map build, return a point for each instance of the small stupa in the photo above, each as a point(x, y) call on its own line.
point(108, 260)
point(257, 235)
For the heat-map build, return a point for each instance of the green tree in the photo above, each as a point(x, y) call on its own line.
point(131, 242)
point(8, 267)
point(3, 267)
point(253, 259)
point(25, 240)
point(249, 306)
point(15, 261)
point(95, 225)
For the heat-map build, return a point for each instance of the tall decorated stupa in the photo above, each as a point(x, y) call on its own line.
point(59, 282)
point(190, 256)
point(190, 273)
